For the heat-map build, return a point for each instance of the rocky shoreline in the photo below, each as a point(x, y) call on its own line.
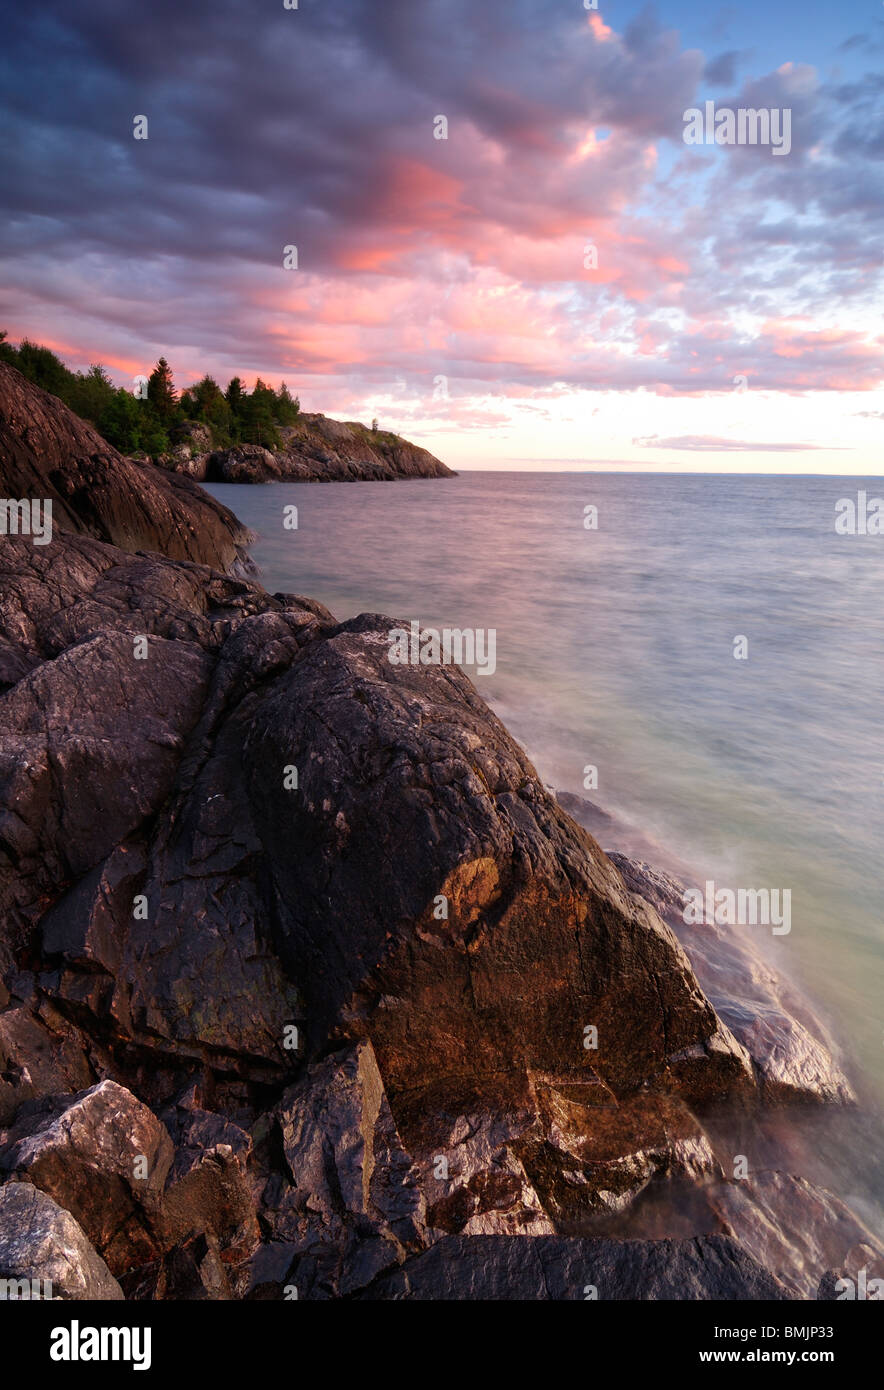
point(307, 982)
point(315, 449)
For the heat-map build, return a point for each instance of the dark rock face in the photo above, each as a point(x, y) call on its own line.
point(558, 1268)
point(40, 1053)
point(350, 1204)
point(91, 737)
point(48, 452)
point(540, 940)
point(39, 1241)
point(305, 977)
point(247, 463)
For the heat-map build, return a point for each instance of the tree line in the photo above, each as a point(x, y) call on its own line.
point(152, 424)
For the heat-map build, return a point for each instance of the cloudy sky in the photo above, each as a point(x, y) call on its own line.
point(733, 319)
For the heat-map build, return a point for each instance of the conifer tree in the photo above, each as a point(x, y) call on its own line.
point(161, 392)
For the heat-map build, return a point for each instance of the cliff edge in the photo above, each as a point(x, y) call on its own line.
point(313, 450)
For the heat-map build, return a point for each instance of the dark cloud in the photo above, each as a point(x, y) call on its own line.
point(721, 71)
point(313, 127)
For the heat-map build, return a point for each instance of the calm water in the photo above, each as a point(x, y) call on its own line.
point(615, 648)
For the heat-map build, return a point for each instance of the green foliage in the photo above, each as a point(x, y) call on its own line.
point(206, 403)
point(40, 365)
point(234, 394)
point(149, 426)
point(287, 409)
point(90, 395)
point(162, 394)
point(132, 426)
point(257, 416)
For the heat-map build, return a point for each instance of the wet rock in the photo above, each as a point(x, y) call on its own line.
point(796, 1228)
point(586, 1157)
point(761, 1009)
point(472, 1174)
point(792, 1063)
point(541, 940)
point(611, 831)
point(548, 1157)
point(40, 1241)
point(854, 1282)
point(104, 1157)
point(561, 1268)
point(664, 892)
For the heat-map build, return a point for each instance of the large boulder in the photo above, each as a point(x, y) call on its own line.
point(314, 908)
point(412, 802)
point(44, 1253)
point(131, 663)
point(104, 1157)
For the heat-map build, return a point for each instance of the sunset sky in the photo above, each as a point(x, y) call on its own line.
point(441, 284)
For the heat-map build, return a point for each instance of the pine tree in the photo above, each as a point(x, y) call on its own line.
point(235, 395)
point(258, 414)
point(161, 392)
point(286, 409)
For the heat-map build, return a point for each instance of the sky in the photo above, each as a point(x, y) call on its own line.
point(563, 282)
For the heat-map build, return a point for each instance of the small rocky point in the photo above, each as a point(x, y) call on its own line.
point(313, 450)
point(258, 1037)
